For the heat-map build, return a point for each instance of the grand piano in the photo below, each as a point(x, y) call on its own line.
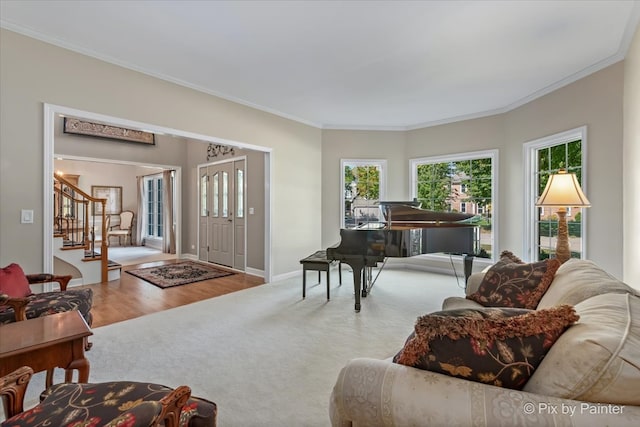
point(407, 230)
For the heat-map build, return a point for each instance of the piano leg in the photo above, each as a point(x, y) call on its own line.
point(367, 276)
point(364, 281)
point(468, 267)
point(358, 273)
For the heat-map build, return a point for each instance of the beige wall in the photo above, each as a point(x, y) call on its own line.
point(33, 73)
point(631, 164)
point(594, 101)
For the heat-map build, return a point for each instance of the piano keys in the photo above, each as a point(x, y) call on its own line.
point(405, 232)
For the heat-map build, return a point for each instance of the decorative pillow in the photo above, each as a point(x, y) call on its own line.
point(508, 255)
point(509, 283)
point(497, 346)
point(13, 282)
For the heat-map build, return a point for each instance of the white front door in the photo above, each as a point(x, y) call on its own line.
point(222, 216)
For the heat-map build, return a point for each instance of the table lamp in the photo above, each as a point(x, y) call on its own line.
point(562, 191)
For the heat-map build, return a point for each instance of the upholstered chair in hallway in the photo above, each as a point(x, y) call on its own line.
point(124, 228)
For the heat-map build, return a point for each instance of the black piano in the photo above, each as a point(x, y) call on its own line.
point(407, 230)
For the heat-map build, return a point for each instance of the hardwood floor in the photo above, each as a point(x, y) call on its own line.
point(130, 297)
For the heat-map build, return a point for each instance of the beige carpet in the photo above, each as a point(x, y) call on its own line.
point(264, 355)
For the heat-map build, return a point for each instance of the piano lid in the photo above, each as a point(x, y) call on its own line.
point(399, 212)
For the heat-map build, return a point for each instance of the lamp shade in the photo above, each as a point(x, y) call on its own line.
point(563, 190)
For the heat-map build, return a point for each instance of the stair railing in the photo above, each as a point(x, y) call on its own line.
point(75, 221)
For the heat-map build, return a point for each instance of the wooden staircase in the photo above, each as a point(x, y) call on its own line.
point(77, 228)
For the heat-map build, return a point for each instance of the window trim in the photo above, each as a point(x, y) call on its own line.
point(530, 161)
point(468, 155)
point(382, 163)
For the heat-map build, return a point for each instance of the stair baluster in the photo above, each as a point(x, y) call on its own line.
point(73, 212)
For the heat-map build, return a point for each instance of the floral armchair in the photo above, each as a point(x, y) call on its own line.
point(110, 404)
point(18, 302)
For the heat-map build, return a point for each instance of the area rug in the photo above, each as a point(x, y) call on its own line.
point(182, 273)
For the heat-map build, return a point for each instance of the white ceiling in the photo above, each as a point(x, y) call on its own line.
point(347, 64)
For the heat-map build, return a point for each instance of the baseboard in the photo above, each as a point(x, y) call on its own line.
point(73, 282)
point(285, 276)
point(248, 270)
point(254, 272)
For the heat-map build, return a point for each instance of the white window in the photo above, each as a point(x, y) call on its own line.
point(437, 183)
point(543, 157)
point(153, 206)
point(362, 186)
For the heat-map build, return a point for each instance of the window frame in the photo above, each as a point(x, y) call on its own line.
point(530, 162)
point(381, 163)
point(493, 154)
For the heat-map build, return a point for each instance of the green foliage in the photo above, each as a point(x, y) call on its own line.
point(562, 156)
point(435, 183)
point(434, 186)
point(478, 172)
point(366, 180)
point(550, 228)
point(545, 254)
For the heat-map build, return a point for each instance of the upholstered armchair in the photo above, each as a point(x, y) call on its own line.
point(18, 302)
point(123, 229)
point(107, 404)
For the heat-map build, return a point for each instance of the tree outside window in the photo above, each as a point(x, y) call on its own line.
point(459, 183)
point(362, 184)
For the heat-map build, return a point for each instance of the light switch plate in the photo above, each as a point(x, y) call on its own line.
point(26, 216)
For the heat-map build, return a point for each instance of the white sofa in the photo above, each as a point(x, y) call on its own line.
point(590, 376)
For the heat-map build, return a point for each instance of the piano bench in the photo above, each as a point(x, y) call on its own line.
point(318, 262)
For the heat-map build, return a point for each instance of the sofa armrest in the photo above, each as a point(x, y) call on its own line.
point(371, 392)
point(473, 283)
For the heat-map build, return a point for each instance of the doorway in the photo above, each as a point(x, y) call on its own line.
point(52, 112)
point(222, 216)
point(87, 172)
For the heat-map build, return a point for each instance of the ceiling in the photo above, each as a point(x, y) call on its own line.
point(394, 65)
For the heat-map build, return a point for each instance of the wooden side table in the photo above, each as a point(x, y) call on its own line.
point(45, 343)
